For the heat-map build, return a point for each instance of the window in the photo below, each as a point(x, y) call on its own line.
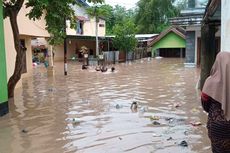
point(101, 25)
point(79, 27)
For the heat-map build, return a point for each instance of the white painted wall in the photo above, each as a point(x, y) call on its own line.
point(225, 25)
point(89, 28)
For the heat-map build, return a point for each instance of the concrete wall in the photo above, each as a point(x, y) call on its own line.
point(190, 46)
point(30, 27)
point(197, 30)
point(89, 26)
point(11, 53)
point(225, 24)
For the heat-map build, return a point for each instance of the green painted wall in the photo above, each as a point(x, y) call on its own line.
point(171, 40)
point(3, 79)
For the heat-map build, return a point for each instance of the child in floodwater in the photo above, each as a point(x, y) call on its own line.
point(103, 69)
point(215, 100)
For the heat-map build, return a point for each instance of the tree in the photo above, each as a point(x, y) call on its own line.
point(117, 15)
point(125, 37)
point(56, 13)
point(153, 15)
point(109, 19)
point(97, 12)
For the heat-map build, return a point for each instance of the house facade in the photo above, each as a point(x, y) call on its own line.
point(191, 19)
point(3, 76)
point(83, 35)
point(170, 43)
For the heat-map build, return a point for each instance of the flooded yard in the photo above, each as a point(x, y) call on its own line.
point(89, 111)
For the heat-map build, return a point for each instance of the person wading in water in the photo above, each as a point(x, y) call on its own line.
point(215, 99)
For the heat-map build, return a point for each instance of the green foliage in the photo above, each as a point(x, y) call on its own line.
point(98, 11)
point(125, 36)
point(153, 15)
point(116, 15)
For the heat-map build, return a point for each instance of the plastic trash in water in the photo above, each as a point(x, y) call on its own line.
point(196, 123)
point(154, 118)
point(183, 144)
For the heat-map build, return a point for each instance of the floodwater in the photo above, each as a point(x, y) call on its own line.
point(89, 112)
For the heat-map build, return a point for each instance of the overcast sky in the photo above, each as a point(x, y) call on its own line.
point(127, 3)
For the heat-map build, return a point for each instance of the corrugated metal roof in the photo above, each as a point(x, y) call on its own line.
point(145, 35)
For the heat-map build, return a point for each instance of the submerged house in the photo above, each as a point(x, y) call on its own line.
point(170, 43)
point(191, 19)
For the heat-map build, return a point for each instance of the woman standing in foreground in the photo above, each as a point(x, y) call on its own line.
point(215, 100)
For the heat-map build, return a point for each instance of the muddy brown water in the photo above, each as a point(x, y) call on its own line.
point(89, 112)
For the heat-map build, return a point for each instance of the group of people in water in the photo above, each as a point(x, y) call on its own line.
point(101, 68)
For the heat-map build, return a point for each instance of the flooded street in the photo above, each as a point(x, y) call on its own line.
point(89, 111)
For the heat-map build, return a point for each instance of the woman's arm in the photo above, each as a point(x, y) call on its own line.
point(205, 101)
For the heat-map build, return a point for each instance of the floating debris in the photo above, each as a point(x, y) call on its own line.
point(169, 118)
point(133, 105)
point(195, 123)
point(84, 67)
point(153, 118)
point(183, 144)
point(185, 132)
point(24, 131)
point(75, 121)
point(155, 135)
point(144, 109)
point(118, 106)
point(51, 89)
point(156, 123)
point(158, 57)
point(120, 138)
point(195, 110)
point(170, 138)
point(177, 105)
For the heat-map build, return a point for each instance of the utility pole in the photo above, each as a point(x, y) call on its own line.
point(65, 49)
point(96, 28)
